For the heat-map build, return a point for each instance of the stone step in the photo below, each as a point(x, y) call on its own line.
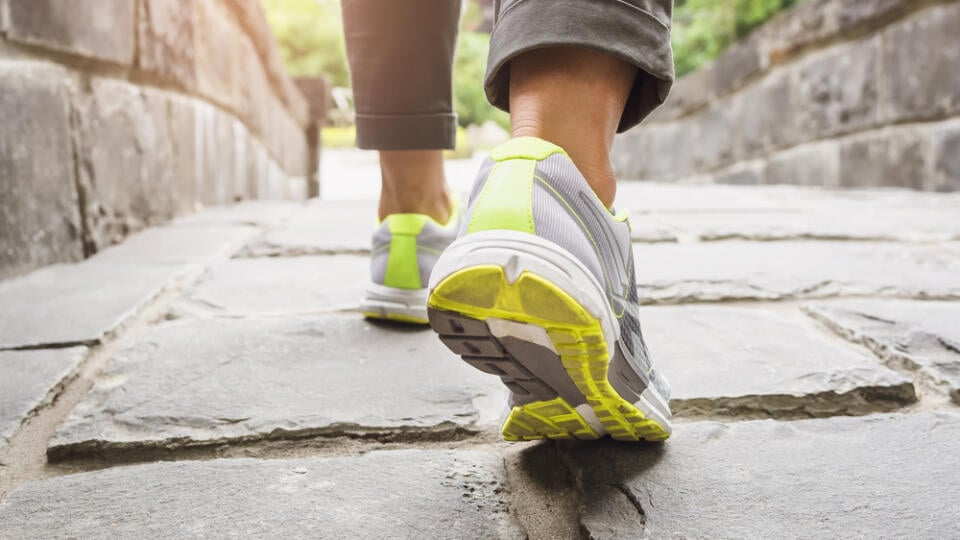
point(924, 336)
point(71, 304)
point(726, 361)
point(279, 285)
point(738, 270)
point(395, 494)
point(209, 381)
point(320, 228)
point(853, 223)
point(30, 381)
point(872, 477)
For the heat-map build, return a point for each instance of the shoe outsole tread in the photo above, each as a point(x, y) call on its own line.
point(459, 307)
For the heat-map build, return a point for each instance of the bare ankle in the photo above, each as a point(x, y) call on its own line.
point(574, 98)
point(413, 182)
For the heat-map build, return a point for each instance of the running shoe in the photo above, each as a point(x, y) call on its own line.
point(405, 249)
point(539, 289)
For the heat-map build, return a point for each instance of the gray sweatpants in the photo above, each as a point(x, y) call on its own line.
point(401, 56)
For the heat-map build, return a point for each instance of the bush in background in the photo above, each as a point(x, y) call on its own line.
point(702, 29)
point(470, 64)
point(310, 34)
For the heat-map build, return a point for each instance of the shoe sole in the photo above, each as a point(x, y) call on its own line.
point(392, 304)
point(489, 312)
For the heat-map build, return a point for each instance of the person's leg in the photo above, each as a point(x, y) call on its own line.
point(401, 57)
point(413, 182)
point(591, 69)
point(539, 288)
point(401, 63)
point(574, 98)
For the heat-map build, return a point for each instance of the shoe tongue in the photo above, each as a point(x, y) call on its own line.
point(525, 148)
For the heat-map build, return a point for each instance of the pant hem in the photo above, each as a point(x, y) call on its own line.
point(407, 132)
point(616, 27)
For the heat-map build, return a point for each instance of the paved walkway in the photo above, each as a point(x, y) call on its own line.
point(213, 378)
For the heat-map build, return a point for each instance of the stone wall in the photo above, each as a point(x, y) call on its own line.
point(838, 93)
point(118, 114)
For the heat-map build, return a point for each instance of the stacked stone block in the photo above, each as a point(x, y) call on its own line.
point(838, 93)
point(121, 114)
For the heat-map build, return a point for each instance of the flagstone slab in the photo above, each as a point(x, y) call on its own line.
point(395, 494)
point(80, 304)
point(922, 336)
point(209, 381)
point(868, 477)
point(72, 304)
point(674, 197)
point(753, 362)
point(831, 223)
point(30, 381)
point(256, 213)
point(739, 270)
point(284, 285)
point(184, 245)
point(320, 228)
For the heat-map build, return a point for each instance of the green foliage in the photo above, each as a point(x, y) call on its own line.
point(470, 64)
point(310, 33)
point(702, 29)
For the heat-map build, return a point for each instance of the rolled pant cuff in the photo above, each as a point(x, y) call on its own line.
point(407, 132)
point(615, 26)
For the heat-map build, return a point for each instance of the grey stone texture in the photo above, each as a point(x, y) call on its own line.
point(922, 336)
point(101, 29)
point(165, 40)
point(81, 303)
point(816, 164)
point(920, 59)
point(838, 91)
point(830, 93)
point(888, 158)
point(737, 65)
point(946, 149)
point(810, 24)
point(274, 286)
point(125, 151)
point(210, 381)
point(31, 380)
point(321, 228)
point(39, 214)
point(117, 94)
point(746, 362)
point(736, 270)
point(254, 213)
point(853, 222)
point(76, 304)
point(398, 494)
point(879, 476)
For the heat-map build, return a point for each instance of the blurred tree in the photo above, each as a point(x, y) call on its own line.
point(310, 33)
point(470, 64)
point(702, 29)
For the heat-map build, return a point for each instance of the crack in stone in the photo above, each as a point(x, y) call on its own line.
point(102, 449)
point(857, 402)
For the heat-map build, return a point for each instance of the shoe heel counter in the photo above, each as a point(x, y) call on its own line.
point(506, 200)
point(398, 265)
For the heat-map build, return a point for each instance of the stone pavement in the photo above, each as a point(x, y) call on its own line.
point(213, 378)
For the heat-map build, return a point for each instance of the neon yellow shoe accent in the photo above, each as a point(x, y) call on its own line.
point(506, 201)
point(394, 317)
point(403, 272)
point(525, 148)
point(554, 419)
point(483, 292)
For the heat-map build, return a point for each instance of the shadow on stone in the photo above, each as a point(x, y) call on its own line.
point(397, 326)
point(610, 507)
